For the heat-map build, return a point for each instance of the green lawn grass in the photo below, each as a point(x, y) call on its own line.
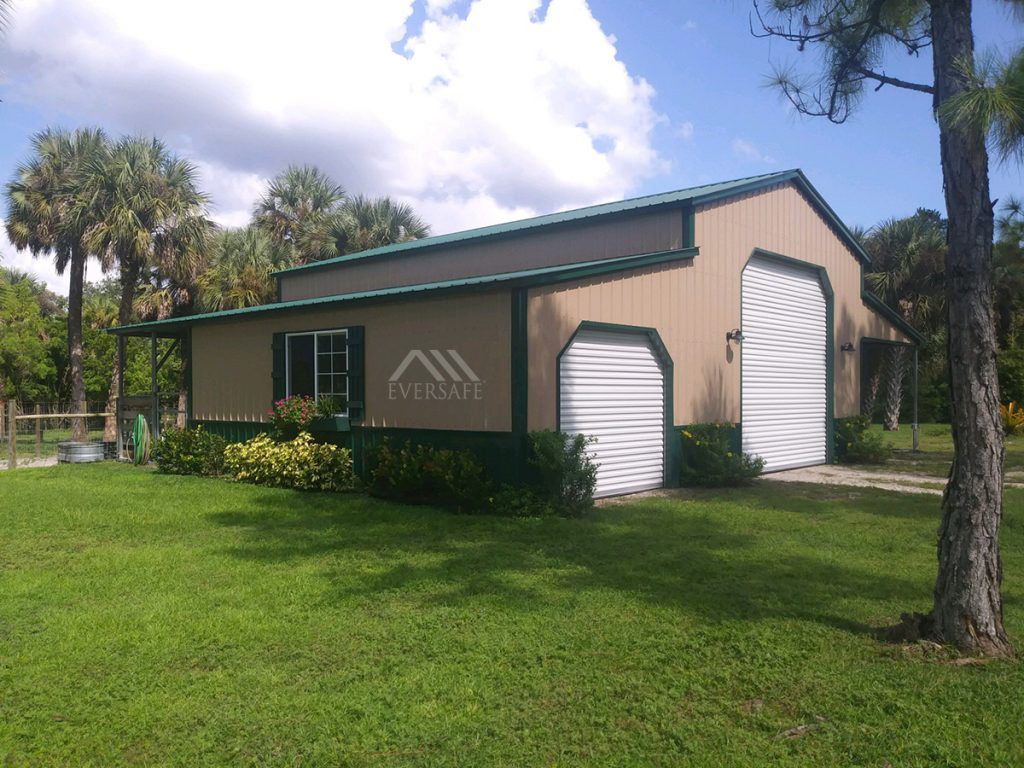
point(935, 452)
point(155, 620)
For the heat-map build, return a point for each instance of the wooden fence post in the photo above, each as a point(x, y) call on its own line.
point(3, 412)
point(39, 433)
point(12, 435)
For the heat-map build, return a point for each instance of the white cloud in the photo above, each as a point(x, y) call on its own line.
point(685, 130)
point(747, 150)
point(41, 267)
point(689, 24)
point(493, 111)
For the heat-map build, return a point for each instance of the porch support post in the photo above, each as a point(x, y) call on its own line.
point(118, 404)
point(153, 368)
point(913, 425)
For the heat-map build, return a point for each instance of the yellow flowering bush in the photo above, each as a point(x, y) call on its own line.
point(1013, 418)
point(708, 457)
point(301, 463)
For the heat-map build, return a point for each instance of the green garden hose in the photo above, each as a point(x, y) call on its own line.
point(140, 441)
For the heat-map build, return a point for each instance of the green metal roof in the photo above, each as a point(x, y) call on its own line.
point(691, 196)
point(536, 276)
point(878, 305)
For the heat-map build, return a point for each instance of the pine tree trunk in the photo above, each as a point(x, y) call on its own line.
point(968, 608)
point(129, 281)
point(897, 369)
point(76, 288)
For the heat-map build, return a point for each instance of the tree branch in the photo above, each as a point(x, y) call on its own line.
point(894, 81)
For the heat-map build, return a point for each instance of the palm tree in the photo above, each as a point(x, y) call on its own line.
point(149, 216)
point(47, 214)
point(372, 222)
point(907, 272)
point(298, 205)
point(238, 274)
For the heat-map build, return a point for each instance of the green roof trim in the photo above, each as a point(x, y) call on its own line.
point(519, 278)
point(692, 196)
point(879, 306)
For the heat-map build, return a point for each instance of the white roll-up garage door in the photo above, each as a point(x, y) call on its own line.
point(784, 357)
point(612, 387)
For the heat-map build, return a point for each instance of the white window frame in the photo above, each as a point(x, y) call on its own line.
point(316, 364)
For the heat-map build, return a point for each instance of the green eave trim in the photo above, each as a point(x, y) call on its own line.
point(527, 278)
point(891, 315)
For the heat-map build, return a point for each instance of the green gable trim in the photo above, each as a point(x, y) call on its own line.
point(518, 279)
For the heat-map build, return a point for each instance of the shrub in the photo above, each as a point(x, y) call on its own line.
point(560, 478)
point(301, 463)
point(292, 415)
point(190, 452)
point(1013, 418)
point(423, 474)
point(709, 458)
point(855, 443)
point(1010, 364)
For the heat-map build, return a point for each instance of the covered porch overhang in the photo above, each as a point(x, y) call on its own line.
point(868, 343)
point(148, 402)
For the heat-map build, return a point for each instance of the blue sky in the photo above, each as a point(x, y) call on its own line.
point(474, 112)
point(708, 70)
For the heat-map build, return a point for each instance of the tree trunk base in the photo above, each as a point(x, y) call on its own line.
point(918, 627)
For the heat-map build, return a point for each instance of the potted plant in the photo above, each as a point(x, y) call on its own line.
point(331, 414)
point(292, 415)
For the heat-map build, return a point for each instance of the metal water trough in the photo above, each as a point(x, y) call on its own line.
point(71, 452)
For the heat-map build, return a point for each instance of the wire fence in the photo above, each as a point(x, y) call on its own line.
point(39, 427)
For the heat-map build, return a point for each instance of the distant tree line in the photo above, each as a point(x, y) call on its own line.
point(136, 207)
point(908, 272)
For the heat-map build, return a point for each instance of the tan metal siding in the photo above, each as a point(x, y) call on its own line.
point(622, 236)
point(232, 360)
point(693, 305)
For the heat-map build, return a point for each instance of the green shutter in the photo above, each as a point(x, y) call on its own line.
point(356, 377)
point(278, 372)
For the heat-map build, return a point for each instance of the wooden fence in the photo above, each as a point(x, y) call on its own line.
point(32, 431)
point(36, 424)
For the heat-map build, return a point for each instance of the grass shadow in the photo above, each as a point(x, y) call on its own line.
point(675, 554)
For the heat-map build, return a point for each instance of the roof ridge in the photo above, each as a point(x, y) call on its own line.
point(504, 227)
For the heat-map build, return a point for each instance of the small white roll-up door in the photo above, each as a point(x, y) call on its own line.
point(784, 358)
point(612, 387)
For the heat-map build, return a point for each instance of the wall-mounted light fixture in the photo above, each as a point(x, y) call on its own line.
point(847, 347)
point(734, 335)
